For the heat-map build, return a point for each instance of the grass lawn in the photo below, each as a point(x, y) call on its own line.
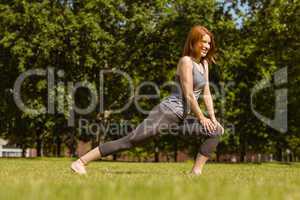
point(51, 178)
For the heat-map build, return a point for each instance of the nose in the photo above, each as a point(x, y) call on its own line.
point(206, 45)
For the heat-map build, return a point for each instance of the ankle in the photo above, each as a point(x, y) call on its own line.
point(197, 169)
point(82, 161)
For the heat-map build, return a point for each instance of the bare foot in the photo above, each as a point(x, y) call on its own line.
point(196, 172)
point(78, 167)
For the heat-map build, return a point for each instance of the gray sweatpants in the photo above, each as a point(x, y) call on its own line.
point(159, 120)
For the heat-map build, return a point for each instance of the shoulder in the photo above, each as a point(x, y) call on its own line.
point(185, 61)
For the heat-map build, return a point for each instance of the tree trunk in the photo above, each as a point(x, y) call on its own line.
point(38, 143)
point(23, 152)
point(156, 152)
point(58, 147)
point(243, 148)
point(175, 150)
point(278, 153)
point(114, 157)
point(218, 153)
point(73, 144)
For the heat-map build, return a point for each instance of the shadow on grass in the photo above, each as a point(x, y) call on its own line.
point(135, 172)
point(125, 172)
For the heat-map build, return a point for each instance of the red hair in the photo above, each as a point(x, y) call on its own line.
point(196, 34)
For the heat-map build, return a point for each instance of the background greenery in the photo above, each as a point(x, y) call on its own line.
point(145, 39)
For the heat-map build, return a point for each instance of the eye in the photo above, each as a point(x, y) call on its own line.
point(205, 41)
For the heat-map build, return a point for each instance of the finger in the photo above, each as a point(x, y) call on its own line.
point(217, 125)
point(214, 124)
point(211, 126)
point(208, 126)
point(203, 123)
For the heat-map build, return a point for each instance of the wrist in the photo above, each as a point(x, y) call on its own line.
point(214, 120)
point(200, 117)
point(213, 117)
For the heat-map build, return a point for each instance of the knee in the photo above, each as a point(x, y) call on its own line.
point(124, 143)
point(219, 131)
point(137, 138)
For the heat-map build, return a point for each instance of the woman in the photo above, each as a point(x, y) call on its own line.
point(192, 76)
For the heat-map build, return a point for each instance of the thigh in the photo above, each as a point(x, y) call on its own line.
point(157, 120)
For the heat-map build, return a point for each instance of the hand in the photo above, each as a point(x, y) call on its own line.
point(214, 120)
point(208, 124)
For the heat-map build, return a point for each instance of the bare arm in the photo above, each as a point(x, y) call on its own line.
point(207, 95)
point(185, 68)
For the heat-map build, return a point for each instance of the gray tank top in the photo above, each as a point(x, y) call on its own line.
point(176, 101)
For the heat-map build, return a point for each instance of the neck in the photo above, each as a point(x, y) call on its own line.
point(196, 59)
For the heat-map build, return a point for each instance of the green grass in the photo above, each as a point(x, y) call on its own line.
point(51, 178)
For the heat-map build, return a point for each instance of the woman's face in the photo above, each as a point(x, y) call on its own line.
point(202, 46)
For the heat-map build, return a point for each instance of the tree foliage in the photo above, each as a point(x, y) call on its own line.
point(78, 39)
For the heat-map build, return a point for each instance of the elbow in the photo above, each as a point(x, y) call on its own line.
point(189, 96)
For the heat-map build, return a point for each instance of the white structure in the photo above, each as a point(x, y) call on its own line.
point(9, 152)
point(2, 143)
